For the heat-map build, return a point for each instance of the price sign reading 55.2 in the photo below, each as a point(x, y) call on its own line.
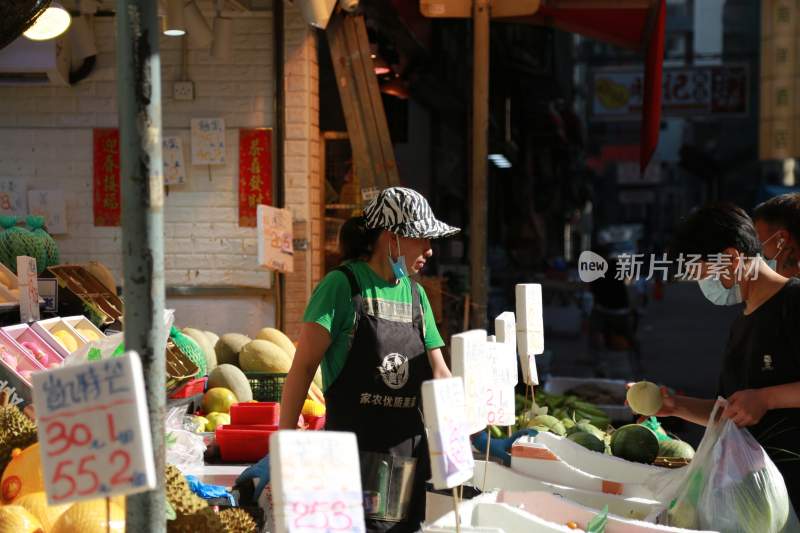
point(93, 435)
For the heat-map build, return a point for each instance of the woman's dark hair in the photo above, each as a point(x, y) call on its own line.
point(356, 241)
point(783, 211)
point(711, 229)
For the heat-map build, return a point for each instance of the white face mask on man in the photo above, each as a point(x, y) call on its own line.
point(773, 262)
point(716, 293)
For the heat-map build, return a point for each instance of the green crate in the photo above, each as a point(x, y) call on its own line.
point(266, 387)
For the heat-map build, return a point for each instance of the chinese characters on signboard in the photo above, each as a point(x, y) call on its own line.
point(172, 154)
point(93, 430)
point(208, 141)
point(255, 173)
point(275, 247)
point(106, 195)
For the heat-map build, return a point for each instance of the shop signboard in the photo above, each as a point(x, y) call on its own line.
point(467, 355)
point(316, 482)
point(275, 245)
point(255, 173)
point(172, 155)
point(448, 437)
point(208, 141)
point(687, 91)
point(52, 206)
point(94, 435)
point(106, 197)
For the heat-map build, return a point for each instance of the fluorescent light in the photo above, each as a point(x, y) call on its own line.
point(53, 22)
point(499, 160)
point(175, 26)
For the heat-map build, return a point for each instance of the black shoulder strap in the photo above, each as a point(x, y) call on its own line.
point(351, 278)
point(416, 304)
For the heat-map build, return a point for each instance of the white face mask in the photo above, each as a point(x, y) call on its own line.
point(716, 293)
point(773, 262)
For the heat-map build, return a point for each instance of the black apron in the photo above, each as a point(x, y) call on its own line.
point(377, 395)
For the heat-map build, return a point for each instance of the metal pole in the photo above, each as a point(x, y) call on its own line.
point(478, 190)
point(278, 143)
point(142, 187)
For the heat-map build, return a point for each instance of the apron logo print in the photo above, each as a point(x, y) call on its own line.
point(767, 363)
point(395, 370)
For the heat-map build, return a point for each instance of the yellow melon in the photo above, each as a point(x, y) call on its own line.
point(23, 475)
point(278, 337)
point(91, 517)
point(645, 398)
point(66, 339)
point(205, 345)
point(16, 519)
point(36, 504)
point(87, 333)
point(264, 356)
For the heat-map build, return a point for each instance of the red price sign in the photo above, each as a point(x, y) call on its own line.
point(94, 439)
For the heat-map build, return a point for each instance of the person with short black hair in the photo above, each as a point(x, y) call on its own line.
point(761, 367)
point(777, 223)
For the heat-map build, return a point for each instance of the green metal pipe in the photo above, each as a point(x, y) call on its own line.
point(142, 187)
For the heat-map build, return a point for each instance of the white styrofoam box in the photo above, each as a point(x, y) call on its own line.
point(30, 341)
point(535, 459)
point(46, 328)
point(617, 413)
point(499, 477)
point(598, 464)
point(81, 322)
point(561, 510)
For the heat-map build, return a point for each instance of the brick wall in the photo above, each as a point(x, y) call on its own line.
point(46, 137)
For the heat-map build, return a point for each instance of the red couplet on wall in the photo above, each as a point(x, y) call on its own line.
point(106, 193)
point(255, 173)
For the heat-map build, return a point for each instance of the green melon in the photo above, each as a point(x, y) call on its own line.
point(635, 443)
point(675, 449)
point(230, 377)
point(588, 441)
point(228, 347)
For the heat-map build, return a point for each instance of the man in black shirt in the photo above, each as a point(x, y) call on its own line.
point(761, 368)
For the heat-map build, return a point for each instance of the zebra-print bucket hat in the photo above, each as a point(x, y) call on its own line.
point(406, 213)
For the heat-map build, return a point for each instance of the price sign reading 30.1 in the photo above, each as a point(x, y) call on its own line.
point(94, 436)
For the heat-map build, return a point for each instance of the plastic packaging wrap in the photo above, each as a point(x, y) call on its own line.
point(184, 448)
point(731, 485)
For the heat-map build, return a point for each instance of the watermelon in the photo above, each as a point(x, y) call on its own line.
point(586, 427)
point(675, 449)
point(635, 443)
point(588, 441)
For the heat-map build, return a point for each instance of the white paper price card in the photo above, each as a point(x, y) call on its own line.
point(28, 289)
point(499, 395)
point(530, 319)
point(469, 361)
point(208, 141)
point(94, 435)
point(448, 437)
point(316, 482)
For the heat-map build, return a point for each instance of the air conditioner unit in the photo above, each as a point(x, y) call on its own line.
point(25, 62)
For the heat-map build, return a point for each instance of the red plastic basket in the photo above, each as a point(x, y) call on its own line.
point(268, 413)
point(191, 388)
point(245, 445)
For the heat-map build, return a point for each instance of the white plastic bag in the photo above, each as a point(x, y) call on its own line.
point(183, 448)
point(731, 485)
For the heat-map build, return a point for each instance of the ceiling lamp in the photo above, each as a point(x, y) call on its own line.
point(174, 23)
point(197, 30)
point(380, 66)
point(50, 24)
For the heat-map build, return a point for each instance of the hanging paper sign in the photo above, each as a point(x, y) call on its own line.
point(52, 206)
point(28, 289)
point(208, 141)
point(316, 482)
point(12, 197)
point(530, 327)
point(448, 437)
point(275, 246)
point(255, 173)
point(94, 435)
point(106, 195)
point(467, 355)
point(172, 155)
point(502, 372)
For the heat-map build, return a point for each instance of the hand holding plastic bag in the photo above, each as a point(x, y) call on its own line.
point(732, 485)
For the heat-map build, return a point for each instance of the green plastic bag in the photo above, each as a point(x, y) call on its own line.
point(46, 246)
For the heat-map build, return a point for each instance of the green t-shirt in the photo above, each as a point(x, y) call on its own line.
point(332, 308)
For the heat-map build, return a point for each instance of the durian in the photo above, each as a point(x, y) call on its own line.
point(16, 431)
point(206, 520)
point(238, 521)
point(180, 496)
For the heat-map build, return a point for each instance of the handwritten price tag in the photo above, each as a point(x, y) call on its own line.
point(530, 326)
point(316, 482)
point(28, 289)
point(275, 248)
point(450, 449)
point(208, 141)
point(93, 432)
point(469, 362)
point(502, 371)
